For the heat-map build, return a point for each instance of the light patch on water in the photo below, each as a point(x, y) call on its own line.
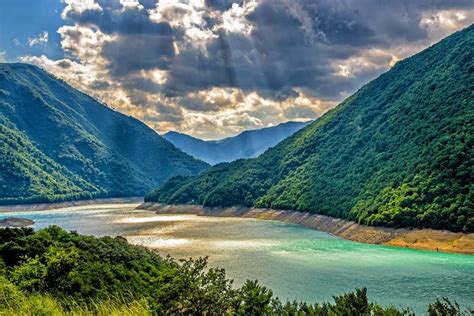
point(168, 229)
point(241, 244)
point(158, 218)
point(158, 243)
point(198, 244)
point(177, 218)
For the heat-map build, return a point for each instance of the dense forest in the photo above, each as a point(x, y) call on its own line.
point(399, 152)
point(57, 143)
point(51, 271)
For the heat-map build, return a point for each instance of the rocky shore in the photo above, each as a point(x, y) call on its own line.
point(426, 239)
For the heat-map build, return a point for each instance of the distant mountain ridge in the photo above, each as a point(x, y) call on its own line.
point(248, 144)
point(399, 152)
point(60, 144)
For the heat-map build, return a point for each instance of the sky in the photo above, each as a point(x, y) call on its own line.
point(213, 68)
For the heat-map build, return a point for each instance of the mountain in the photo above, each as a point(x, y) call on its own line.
point(399, 152)
point(248, 144)
point(59, 144)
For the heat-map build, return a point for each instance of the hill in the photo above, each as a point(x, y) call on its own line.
point(399, 152)
point(248, 144)
point(60, 144)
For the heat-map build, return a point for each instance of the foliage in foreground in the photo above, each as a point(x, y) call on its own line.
point(53, 272)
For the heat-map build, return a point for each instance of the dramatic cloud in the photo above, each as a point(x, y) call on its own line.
point(212, 68)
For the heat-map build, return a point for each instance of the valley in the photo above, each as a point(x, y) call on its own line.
point(237, 157)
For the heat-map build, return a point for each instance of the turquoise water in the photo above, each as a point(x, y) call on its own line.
point(296, 262)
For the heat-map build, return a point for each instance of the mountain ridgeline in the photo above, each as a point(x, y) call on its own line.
point(399, 152)
point(60, 144)
point(248, 144)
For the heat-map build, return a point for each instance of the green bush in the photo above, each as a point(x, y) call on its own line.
point(59, 273)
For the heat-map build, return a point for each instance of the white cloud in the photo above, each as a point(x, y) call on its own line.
point(234, 19)
point(442, 23)
point(41, 38)
point(3, 56)
point(369, 61)
point(189, 16)
point(79, 6)
point(184, 14)
point(131, 4)
point(83, 42)
point(73, 72)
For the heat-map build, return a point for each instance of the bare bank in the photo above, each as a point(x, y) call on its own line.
point(58, 205)
point(427, 239)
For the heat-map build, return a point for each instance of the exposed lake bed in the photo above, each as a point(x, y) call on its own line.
point(425, 239)
point(295, 261)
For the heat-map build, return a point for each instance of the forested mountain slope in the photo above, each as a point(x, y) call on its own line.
point(58, 144)
point(398, 152)
point(248, 144)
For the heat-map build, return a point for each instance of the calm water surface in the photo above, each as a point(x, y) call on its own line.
point(296, 262)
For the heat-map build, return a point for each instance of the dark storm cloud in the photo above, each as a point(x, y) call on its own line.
point(223, 65)
point(275, 57)
point(112, 19)
point(168, 113)
point(140, 84)
point(129, 54)
point(294, 43)
point(141, 43)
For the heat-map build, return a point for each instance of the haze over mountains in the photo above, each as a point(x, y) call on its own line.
point(399, 152)
point(248, 144)
point(60, 144)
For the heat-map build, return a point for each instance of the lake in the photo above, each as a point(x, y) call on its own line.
point(294, 261)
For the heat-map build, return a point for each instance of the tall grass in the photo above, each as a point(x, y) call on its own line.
point(15, 302)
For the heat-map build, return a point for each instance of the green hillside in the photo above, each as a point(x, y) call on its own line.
point(60, 144)
point(399, 152)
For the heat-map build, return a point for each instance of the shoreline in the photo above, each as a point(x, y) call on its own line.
point(422, 239)
point(58, 205)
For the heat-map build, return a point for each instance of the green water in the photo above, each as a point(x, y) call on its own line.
point(296, 262)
